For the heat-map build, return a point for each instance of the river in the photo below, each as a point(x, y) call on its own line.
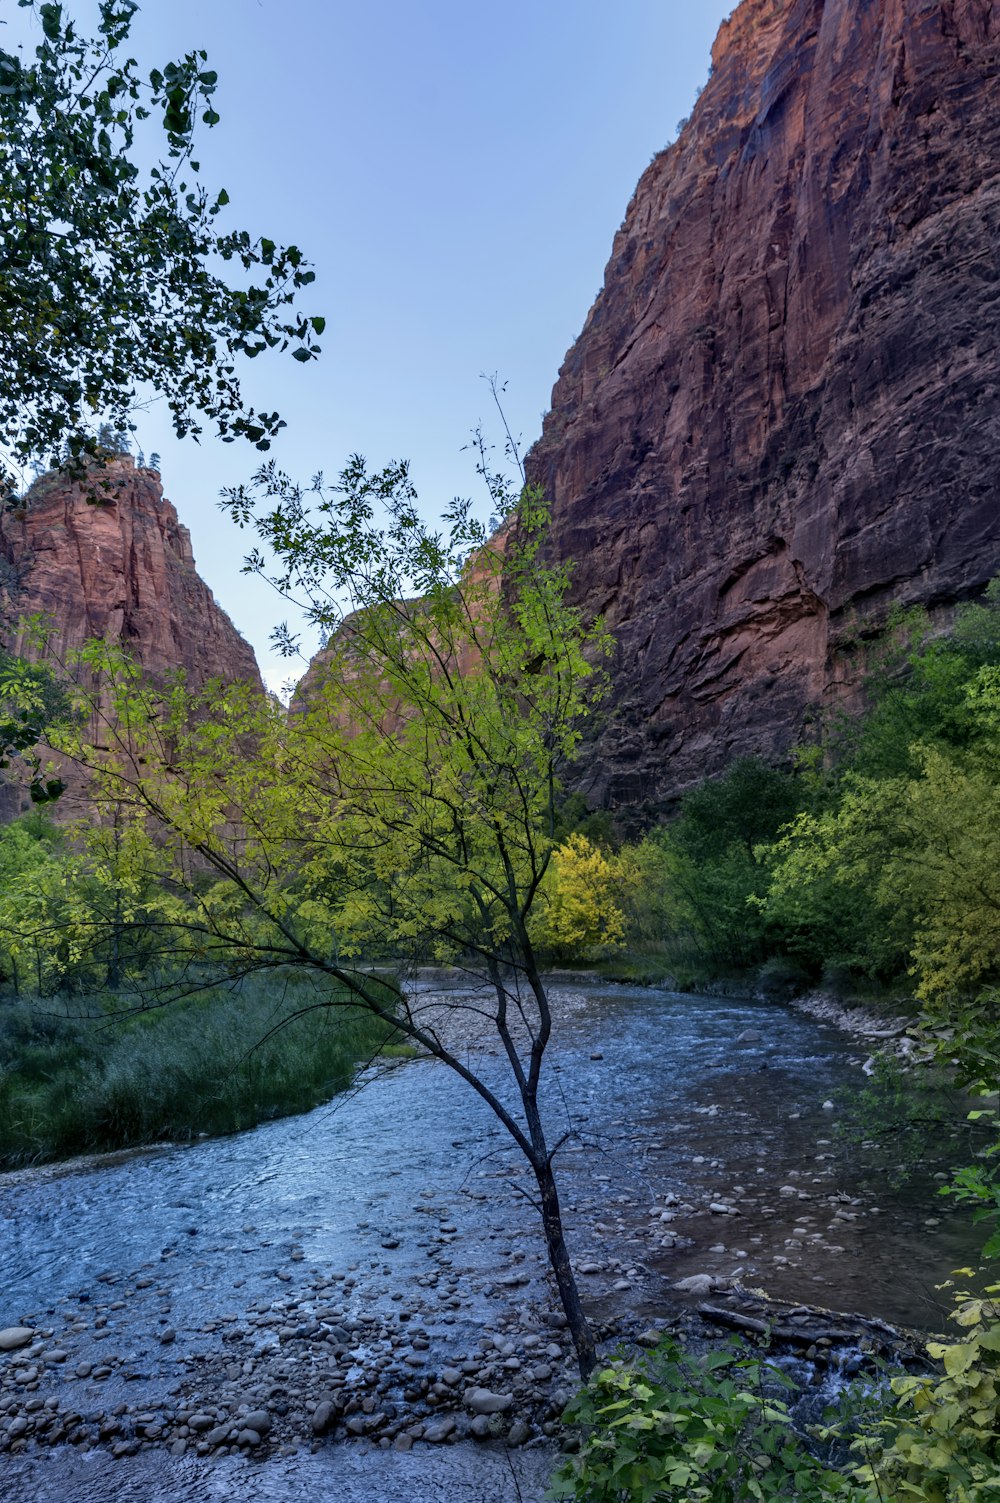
point(384, 1235)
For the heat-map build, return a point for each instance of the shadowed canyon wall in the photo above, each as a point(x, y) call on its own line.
point(783, 412)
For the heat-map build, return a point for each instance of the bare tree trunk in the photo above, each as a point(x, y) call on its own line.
point(562, 1269)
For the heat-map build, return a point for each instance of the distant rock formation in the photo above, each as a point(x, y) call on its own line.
point(783, 412)
point(120, 567)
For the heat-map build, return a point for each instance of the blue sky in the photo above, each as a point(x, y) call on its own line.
point(456, 173)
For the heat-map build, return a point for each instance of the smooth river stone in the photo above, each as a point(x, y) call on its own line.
point(482, 1401)
point(15, 1337)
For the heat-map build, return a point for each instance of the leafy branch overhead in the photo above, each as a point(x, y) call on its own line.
point(111, 281)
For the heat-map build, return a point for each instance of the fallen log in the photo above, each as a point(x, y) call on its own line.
point(800, 1335)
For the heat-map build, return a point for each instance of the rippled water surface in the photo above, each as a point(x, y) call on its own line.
point(666, 1104)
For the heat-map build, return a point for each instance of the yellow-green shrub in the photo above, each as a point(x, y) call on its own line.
point(578, 911)
point(941, 1443)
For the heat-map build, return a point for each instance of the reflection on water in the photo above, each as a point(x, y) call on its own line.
point(347, 1474)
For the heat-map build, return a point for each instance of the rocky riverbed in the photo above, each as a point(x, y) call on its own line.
point(370, 1273)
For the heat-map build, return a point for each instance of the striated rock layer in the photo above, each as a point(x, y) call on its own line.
point(121, 568)
point(783, 413)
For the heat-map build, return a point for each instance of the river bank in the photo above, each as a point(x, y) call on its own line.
point(370, 1273)
point(880, 1028)
point(865, 1019)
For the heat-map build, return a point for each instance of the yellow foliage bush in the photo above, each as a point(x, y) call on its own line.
point(578, 911)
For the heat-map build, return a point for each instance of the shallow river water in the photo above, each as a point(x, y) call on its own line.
point(405, 1194)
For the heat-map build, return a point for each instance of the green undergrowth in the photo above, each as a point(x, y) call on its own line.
point(675, 1426)
point(671, 1426)
point(650, 962)
point(634, 969)
point(78, 1080)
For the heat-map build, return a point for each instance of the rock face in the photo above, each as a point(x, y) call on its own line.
point(121, 568)
point(783, 413)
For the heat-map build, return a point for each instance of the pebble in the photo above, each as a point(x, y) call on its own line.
point(440, 1430)
point(323, 1416)
point(299, 1361)
point(482, 1401)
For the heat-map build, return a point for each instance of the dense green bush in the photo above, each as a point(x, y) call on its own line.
point(671, 1427)
point(891, 870)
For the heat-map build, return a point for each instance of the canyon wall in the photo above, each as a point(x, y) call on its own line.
point(109, 558)
point(783, 413)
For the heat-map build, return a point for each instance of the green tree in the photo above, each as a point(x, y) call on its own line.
point(29, 853)
point(31, 698)
point(110, 284)
point(406, 809)
point(83, 908)
point(902, 871)
point(717, 867)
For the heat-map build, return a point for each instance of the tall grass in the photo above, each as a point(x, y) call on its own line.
point(225, 1060)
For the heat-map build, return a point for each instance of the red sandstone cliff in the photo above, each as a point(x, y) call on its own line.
point(783, 413)
point(121, 568)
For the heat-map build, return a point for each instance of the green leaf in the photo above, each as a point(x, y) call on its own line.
point(51, 16)
point(958, 1359)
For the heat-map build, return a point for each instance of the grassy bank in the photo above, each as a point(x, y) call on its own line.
point(225, 1060)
